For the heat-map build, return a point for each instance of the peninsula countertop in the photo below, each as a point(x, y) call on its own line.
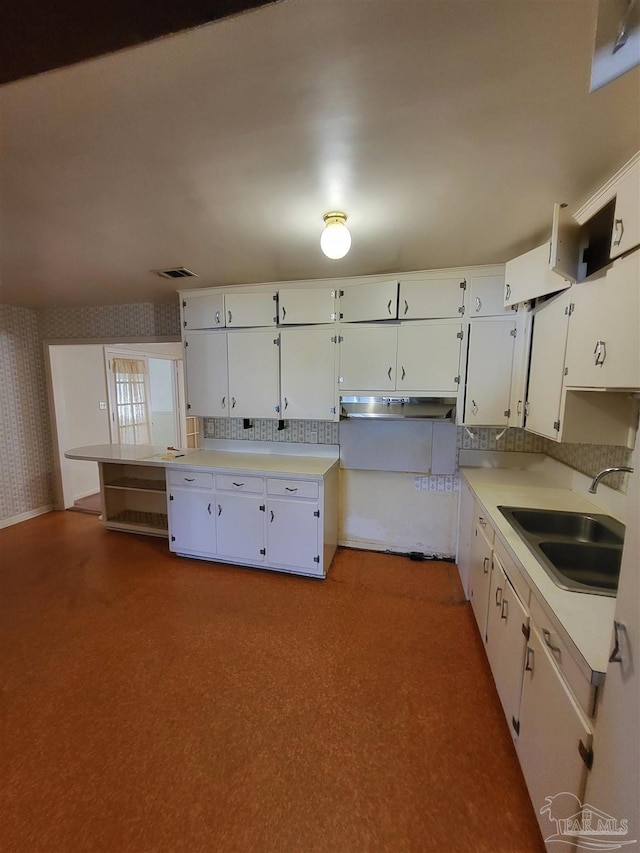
point(586, 619)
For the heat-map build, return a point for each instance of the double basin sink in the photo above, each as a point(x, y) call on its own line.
point(579, 551)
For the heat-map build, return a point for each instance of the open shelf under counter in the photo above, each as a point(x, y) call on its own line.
point(134, 498)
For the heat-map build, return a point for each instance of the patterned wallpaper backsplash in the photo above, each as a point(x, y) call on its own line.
point(26, 455)
point(142, 319)
point(586, 458)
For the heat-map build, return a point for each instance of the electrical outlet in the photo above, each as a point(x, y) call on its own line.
point(103, 406)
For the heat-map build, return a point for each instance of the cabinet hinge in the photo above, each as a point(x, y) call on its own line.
point(514, 333)
point(516, 725)
point(507, 413)
point(276, 341)
point(456, 379)
point(461, 310)
point(188, 405)
point(460, 335)
point(586, 755)
point(526, 630)
point(184, 303)
point(556, 425)
point(275, 297)
point(341, 317)
point(186, 343)
point(572, 306)
point(275, 320)
point(263, 551)
point(566, 371)
point(173, 538)
point(316, 559)
point(463, 284)
point(333, 315)
point(170, 497)
point(262, 508)
point(336, 339)
point(332, 410)
point(317, 513)
point(341, 293)
point(184, 324)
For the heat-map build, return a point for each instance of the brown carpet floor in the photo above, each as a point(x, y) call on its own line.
point(151, 703)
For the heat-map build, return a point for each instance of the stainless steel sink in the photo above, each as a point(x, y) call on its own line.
point(579, 551)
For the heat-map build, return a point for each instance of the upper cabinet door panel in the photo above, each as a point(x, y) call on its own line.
point(206, 373)
point(203, 311)
point(250, 309)
point(564, 251)
point(429, 357)
point(603, 348)
point(485, 296)
point(491, 345)
point(529, 276)
point(254, 359)
point(308, 375)
point(431, 298)
point(299, 306)
point(369, 301)
point(626, 222)
point(368, 358)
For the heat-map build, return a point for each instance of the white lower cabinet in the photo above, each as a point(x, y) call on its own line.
point(554, 741)
point(480, 574)
point(255, 519)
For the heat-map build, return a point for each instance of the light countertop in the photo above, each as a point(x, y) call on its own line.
point(586, 619)
point(292, 465)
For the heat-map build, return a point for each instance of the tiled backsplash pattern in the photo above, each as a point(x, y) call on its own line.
point(26, 454)
point(310, 432)
point(142, 319)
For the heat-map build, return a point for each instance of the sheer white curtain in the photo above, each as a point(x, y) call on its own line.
point(132, 406)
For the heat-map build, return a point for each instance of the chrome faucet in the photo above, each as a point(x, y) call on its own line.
point(596, 480)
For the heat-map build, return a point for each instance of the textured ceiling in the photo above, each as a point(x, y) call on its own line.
point(445, 130)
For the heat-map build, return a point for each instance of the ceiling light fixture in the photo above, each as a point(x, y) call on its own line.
point(335, 240)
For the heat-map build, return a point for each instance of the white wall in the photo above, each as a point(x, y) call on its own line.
point(79, 385)
point(163, 404)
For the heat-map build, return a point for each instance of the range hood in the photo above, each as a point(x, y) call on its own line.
point(399, 408)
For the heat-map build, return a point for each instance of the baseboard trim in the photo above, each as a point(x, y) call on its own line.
point(25, 516)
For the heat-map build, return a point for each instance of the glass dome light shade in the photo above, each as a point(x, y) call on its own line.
point(335, 240)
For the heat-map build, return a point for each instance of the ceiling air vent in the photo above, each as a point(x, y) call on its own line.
point(176, 272)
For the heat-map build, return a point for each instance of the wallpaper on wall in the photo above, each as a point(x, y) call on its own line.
point(26, 455)
point(143, 319)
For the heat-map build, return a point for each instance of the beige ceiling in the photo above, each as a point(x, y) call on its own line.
point(445, 129)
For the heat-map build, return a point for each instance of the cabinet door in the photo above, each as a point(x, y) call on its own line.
point(485, 296)
point(299, 306)
point(192, 521)
point(370, 301)
point(204, 311)
point(368, 358)
point(626, 221)
point(254, 358)
point(431, 298)
point(507, 628)
point(552, 727)
point(480, 578)
point(490, 360)
point(308, 375)
point(529, 276)
point(603, 348)
point(293, 534)
point(429, 357)
point(205, 356)
point(564, 251)
point(546, 372)
point(520, 367)
point(240, 527)
point(250, 309)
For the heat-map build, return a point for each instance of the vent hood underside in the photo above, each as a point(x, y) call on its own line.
point(399, 408)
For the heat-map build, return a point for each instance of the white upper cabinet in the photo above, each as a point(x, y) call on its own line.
point(485, 296)
point(520, 368)
point(202, 311)
point(429, 357)
point(308, 373)
point(431, 298)
point(302, 305)
point(368, 358)
point(254, 388)
point(488, 384)
point(565, 243)
point(367, 301)
point(529, 276)
point(626, 221)
point(243, 310)
point(206, 371)
point(603, 349)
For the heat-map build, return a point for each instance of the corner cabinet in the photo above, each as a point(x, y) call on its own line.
point(284, 523)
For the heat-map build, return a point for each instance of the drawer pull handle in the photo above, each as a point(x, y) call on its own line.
point(504, 611)
point(481, 521)
point(209, 509)
point(547, 638)
point(528, 666)
point(190, 479)
point(224, 402)
point(389, 374)
point(616, 655)
point(229, 315)
point(238, 485)
point(219, 509)
point(287, 489)
point(389, 307)
point(485, 566)
point(272, 516)
point(406, 306)
point(618, 232)
point(498, 596)
point(478, 303)
point(217, 318)
point(508, 293)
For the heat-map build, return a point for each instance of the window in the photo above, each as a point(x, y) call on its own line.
point(131, 400)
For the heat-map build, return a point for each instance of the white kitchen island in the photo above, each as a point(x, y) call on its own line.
point(273, 507)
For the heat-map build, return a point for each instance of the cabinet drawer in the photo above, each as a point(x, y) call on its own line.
point(193, 479)
point(583, 691)
point(239, 483)
point(293, 488)
point(513, 573)
point(487, 529)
